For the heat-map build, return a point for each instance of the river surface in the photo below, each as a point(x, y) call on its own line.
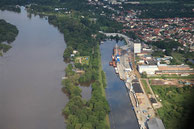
point(121, 115)
point(30, 75)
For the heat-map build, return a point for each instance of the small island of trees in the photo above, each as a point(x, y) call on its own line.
point(8, 33)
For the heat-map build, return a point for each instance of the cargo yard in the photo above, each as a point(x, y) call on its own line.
point(143, 105)
point(136, 66)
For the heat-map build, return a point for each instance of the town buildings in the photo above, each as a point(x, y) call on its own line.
point(137, 47)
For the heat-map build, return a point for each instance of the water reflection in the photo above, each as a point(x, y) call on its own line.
point(30, 75)
point(121, 116)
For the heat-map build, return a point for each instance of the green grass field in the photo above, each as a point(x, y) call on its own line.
point(177, 105)
point(104, 28)
point(82, 60)
point(178, 57)
point(147, 89)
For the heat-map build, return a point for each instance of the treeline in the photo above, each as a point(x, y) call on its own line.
point(12, 2)
point(103, 79)
point(77, 35)
point(79, 113)
point(166, 0)
point(78, 5)
point(168, 45)
point(166, 10)
point(108, 25)
point(23, 2)
point(8, 33)
point(104, 23)
point(4, 47)
point(177, 106)
point(85, 115)
point(10, 8)
point(82, 29)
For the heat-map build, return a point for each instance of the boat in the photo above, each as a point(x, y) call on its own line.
point(113, 59)
point(116, 70)
point(116, 50)
point(114, 64)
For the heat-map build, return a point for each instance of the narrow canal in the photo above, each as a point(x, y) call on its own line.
point(121, 116)
point(30, 75)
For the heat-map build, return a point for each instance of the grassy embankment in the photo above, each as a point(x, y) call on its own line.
point(1, 53)
point(102, 79)
point(177, 105)
point(147, 89)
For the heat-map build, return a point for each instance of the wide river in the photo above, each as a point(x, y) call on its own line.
point(121, 115)
point(30, 79)
point(30, 75)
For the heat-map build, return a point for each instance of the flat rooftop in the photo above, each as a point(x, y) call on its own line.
point(155, 123)
point(177, 66)
point(134, 80)
point(137, 87)
point(175, 71)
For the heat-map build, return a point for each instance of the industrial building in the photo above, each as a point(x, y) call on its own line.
point(149, 69)
point(155, 123)
point(175, 72)
point(165, 69)
point(137, 47)
point(173, 67)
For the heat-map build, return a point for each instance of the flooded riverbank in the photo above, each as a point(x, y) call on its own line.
point(30, 75)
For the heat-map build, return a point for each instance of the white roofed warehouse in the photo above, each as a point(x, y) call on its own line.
point(149, 69)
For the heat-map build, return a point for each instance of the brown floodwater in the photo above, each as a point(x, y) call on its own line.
point(30, 75)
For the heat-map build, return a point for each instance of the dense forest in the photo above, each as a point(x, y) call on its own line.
point(8, 34)
point(168, 45)
point(10, 8)
point(162, 10)
point(83, 114)
point(22, 2)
